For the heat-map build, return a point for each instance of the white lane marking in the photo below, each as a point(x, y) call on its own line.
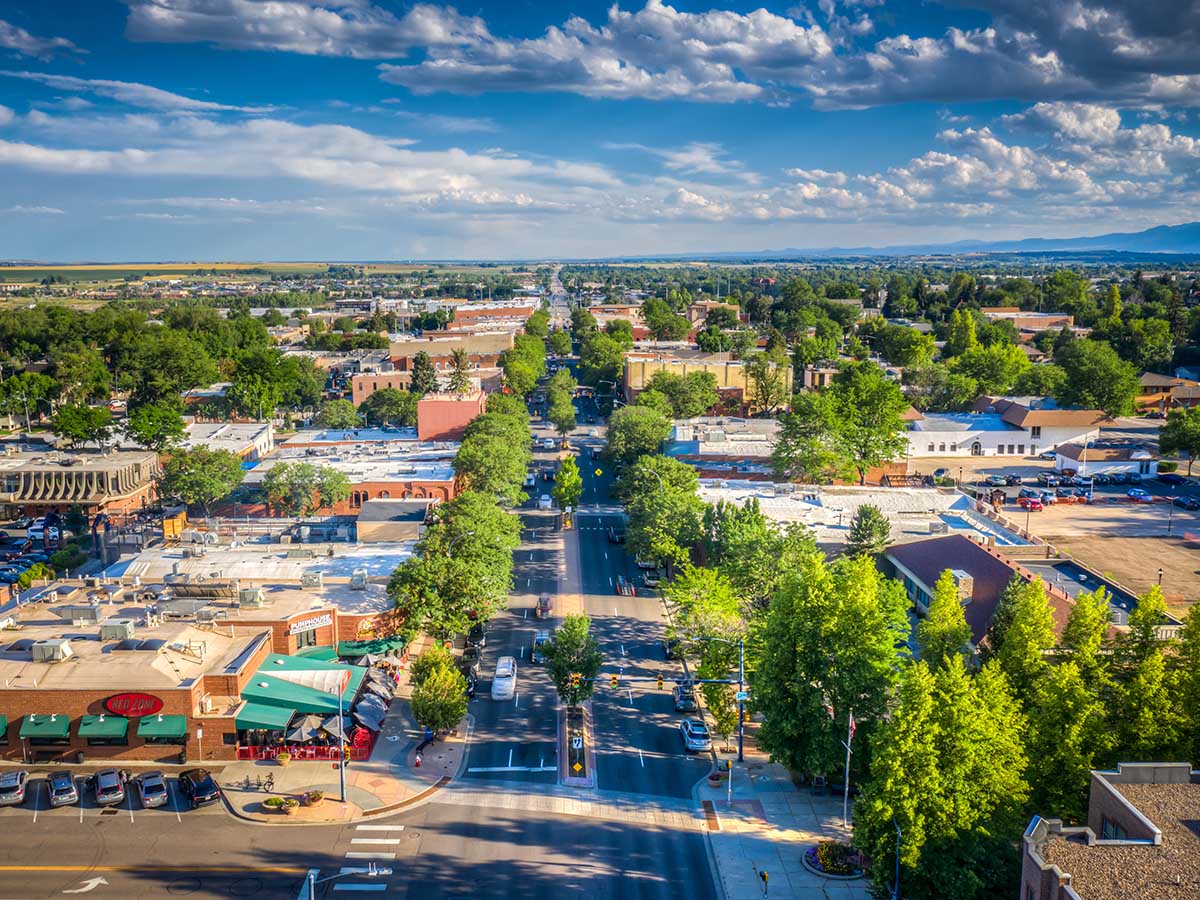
point(526, 616)
point(615, 611)
point(630, 696)
point(528, 582)
point(522, 651)
point(131, 808)
point(516, 701)
point(37, 799)
point(355, 886)
point(610, 581)
point(353, 855)
point(606, 554)
point(513, 769)
point(622, 649)
point(81, 809)
point(175, 803)
point(379, 828)
point(510, 757)
point(641, 758)
point(392, 842)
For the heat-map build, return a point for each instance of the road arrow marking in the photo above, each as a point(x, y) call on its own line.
point(90, 885)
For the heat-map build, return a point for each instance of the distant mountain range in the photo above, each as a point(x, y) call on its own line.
point(1165, 239)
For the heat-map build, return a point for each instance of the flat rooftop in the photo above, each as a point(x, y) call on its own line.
point(1116, 871)
point(233, 436)
point(961, 422)
point(162, 654)
point(333, 436)
point(366, 467)
point(260, 563)
point(77, 461)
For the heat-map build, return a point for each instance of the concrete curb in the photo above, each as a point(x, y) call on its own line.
point(714, 871)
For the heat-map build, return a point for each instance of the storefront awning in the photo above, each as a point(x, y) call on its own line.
point(321, 654)
point(378, 647)
point(103, 726)
point(3, 724)
point(162, 727)
point(302, 673)
point(46, 725)
point(260, 716)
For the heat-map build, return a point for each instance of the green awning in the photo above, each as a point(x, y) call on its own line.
point(290, 696)
point(321, 654)
point(277, 666)
point(162, 727)
point(46, 725)
point(103, 726)
point(260, 716)
point(3, 724)
point(377, 647)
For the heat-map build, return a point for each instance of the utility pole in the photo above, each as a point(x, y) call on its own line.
point(846, 784)
point(741, 694)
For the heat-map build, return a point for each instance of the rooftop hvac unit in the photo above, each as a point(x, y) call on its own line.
point(8, 622)
point(116, 629)
point(251, 597)
point(285, 539)
point(78, 613)
point(939, 527)
point(91, 582)
point(305, 531)
point(55, 650)
point(358, 580)
point(311, 580)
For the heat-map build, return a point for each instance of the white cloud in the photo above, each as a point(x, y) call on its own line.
point(20, 40)
point(447, 124)
point(817, 175)
point(354, 28)
point(34, 210)
point(131, 93)
point(6, 115)
point(698, 158)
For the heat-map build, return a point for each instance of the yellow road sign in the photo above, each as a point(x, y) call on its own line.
point(599, 472)
point(577, 767)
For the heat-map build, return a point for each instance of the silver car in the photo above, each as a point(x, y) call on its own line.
point(152, 789)
point(695, 736)
point(12, 787)
point(64, 789)
point(109, 785)
point(540, 639)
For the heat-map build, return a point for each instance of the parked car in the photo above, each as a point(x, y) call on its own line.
point(152, 789)
point(544, 502)
point(695, 736)
point(1029, 492)
point(1101, 480)
point(23, 522)
point(684, 697)
point(1138, 495)
point(542, 610)
point(547, 443)
point(1186, 502)
point(12, 787)
point(994, 481)
point(64, 789)
point(531, 480)
point(1133, 478)
point(1118, 478)
point(478, 634)
point(36, 557)
point(651, 579)
point(1012, 479)
point(109, 786)
point(1048, 454)
point(198, 786)
point(646, 563)
point(1171, 478)
point(540, 639)
point(504, 679)
point(1048, 498)
point(616, 536)
point(1033, 504)
point(1049, 479)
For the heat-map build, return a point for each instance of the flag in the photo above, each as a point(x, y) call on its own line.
point(829, 709)
point(853, 725)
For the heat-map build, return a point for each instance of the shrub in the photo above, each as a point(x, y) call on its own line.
point(273, 802)
point(1165, 467)
point(837, 858)
point(312, 798)
point(435, 657)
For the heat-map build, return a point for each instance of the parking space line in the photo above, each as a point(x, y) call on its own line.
point(37, 797)
point(365, 855)
point(517, 699)
point(641, 758)
point(175, 801)
point(81, 810)
point(130, 809)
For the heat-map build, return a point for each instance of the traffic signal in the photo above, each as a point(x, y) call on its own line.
point(660, 682)
point(575, 679)
point(613, 681)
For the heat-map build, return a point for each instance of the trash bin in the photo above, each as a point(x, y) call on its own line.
point(79, 757)
point(183, 757)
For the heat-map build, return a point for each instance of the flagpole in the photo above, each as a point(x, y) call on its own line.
point(846, 784)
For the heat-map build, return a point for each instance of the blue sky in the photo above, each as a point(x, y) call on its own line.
point(373, 129)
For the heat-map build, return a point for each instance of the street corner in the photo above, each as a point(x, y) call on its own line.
point(318, 804)
point(443, 757)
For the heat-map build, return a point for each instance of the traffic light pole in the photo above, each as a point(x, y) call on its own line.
point(741, 693)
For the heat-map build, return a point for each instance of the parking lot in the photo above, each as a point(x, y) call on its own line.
point(37, 810)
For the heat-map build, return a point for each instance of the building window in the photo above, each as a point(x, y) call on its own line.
point(1011, 449)
point(49, 742)
point(941, 448)
point(306, 639)
point(1021, 449)
point(954, 448)
point(229, 739)
point(1035, 431)
point(1111, 831)
point(168, 741)
point(931, 448)
point(122, 741)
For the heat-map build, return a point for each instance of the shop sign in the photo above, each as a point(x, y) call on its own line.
point(133, 704)
point(310, 623)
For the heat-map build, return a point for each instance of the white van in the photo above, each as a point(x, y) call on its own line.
point(504, 682)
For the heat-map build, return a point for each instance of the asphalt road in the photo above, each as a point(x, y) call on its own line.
point(437, 850)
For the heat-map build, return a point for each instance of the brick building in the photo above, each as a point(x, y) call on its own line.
point(444, 417)
point(1141, 840)
point(35, 483)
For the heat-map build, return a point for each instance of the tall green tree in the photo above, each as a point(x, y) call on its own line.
point(337, 414)
point(1186, 663)
point(1142, 640)
point(494, 456)
point(559, 343)
point(830, 641)
point(870, 531)
point(944, 632)
point(1085, 632)
point(960, 337)
point(82, 375)
point(634, 431)
point(156, 426)
point(689, 395)
point(568, 484)
point(460, 374)
point(572, 650)
point(83, 424)
point(300, 488)
point(200, 476)
point(766, 384)
point(561, 413)
point(1148, 718)
point(1180, 436)
point(389, 406)
point(1096, 378)
point(439, 702)
point(26, 393)
point(424, 378)
point(254, 396)
point(1027, 640)
point(663, 507)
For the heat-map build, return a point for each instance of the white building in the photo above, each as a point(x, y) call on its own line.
point(1107, 458)
point(249, 440)
point(1003, 426)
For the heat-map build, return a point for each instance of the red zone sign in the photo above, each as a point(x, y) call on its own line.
point(133, 704)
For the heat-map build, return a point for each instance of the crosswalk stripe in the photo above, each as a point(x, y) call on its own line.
point(353, 855)
point(352, 886)
point(378, 827)
point(391, 841)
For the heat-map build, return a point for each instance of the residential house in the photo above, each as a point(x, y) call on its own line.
point(1107, 457)
point(1162, 393)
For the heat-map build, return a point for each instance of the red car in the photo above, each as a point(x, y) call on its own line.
point(1034, 504)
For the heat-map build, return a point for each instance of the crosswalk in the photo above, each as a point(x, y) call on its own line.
point(368, 846)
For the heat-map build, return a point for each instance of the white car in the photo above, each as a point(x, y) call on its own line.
point(544, 502)
point(39, 532)
point(547, 443)
point(695, 736)
point(530, 480)
point(504, 681)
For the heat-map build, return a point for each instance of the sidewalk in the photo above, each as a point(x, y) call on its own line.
point(388, 780)
point(769, 826)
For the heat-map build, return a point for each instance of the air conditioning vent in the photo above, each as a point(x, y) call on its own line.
point(49, 651)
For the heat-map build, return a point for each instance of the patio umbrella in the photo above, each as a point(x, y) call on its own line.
point(305, 729)
point(370, 660)
point(368, 719)
point(372, 702)
point(378, 676)
point(332, 727)
point(380, 690)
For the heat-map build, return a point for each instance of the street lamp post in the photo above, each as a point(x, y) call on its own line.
point(1171, 510)
point(455, 540)
point(741, 688)
point(1160, 575)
